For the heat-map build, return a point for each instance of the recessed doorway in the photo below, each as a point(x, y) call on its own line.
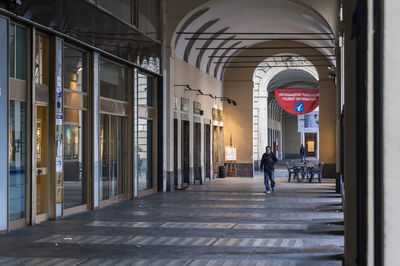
point(42, 186)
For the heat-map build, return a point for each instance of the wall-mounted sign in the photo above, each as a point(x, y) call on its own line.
point(176, 102)
point(59, 132)
point(59, 148)
point(59, 165)
point(59, 120)
point(59, 84)
point(311, 146)
point(297, 101)
point(59, 106)
point(216, 114)
point(38, 140)
point(196, 108)
point(184, 105)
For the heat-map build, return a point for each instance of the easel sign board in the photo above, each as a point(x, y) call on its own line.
point(230, 153)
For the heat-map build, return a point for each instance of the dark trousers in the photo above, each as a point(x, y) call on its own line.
point(269, 174)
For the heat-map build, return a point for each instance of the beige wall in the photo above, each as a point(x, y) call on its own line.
point(327, 122)
point(238, 85)
point(183, 73)
point(238, 120)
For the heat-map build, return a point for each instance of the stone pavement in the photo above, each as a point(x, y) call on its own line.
point(227, 221)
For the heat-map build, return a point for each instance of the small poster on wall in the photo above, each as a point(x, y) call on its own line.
point(311, 145)
point(176, 102)
point(38, 139)
point(184, 105)
point(196, 108)
point(59, 165)
point(59, 148)
point(59, 120)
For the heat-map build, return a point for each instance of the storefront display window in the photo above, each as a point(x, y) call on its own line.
point(75, 157)
point(144, 102)
point(17, 153)
point(17, 37)
point(114, 145)
point(114, 81)
point(114, 155)
point(41, 60)
point(145, 154)
point(145, 90)
point(75, 138)
point(75, 69)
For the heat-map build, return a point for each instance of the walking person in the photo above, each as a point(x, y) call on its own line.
point(302, 153)
point(268, 162)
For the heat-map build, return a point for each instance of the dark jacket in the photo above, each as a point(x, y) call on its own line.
point(268, 161)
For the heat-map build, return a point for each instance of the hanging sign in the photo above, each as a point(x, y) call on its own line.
point(297, 101)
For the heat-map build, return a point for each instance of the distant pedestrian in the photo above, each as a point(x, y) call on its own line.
point(303, 153)
point(268, 162)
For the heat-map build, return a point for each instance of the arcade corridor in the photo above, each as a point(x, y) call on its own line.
point(224, 222)
point(120, 118)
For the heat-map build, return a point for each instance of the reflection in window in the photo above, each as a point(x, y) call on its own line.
point(75, 69)
point(17, 42)
point(114, 81)
point(145, 154)
point(114, 155)
point(145, 90)
point(149, 17)
point(42, 60)
point(75, 154)
point(120, 8)
point(17, 154)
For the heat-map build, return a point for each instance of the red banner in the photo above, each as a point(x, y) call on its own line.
point(297, 101)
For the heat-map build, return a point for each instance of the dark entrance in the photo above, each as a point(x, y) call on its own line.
point(215, 150)
point(185, 152)
point(197, 152)
point(176, 152)
point(207, 150)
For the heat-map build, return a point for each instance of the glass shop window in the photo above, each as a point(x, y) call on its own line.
point(17, 46)
point(114, 81)
point(75, 69)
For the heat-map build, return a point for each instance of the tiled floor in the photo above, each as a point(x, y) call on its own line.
point(224, 222)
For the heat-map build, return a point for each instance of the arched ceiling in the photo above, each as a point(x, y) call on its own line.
point(293, 78)
point(221, 30)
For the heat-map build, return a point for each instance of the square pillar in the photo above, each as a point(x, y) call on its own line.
point(3, 125)
point(96, 133)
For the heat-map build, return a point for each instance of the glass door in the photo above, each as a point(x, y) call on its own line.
point(144, 133)
point(76, 122)
point(18, 83)
point(41, 148)
point(114, 156)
